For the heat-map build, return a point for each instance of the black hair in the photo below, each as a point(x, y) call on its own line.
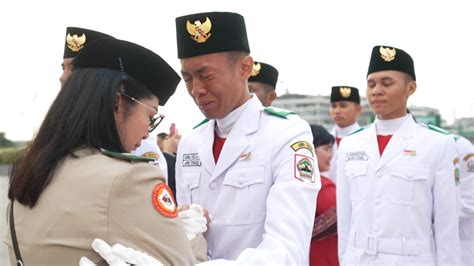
point(82, 115)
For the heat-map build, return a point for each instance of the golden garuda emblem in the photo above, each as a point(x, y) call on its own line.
point(345, 92)
point(200, 32)
point(387, 54)
point(74, 42)
point(255, 69)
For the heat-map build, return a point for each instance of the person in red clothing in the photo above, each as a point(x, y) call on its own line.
point(323, 249)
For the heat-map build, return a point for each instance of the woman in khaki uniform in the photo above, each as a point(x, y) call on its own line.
point(76, 181)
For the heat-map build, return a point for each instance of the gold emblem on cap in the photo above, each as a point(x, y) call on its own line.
point(387, 54)
point(256, 69)
point(74, 42)
point(345, 92)
point(200, 32)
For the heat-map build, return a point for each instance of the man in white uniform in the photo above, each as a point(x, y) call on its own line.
point(396, 192)
point(345, 110)
point(252, 168)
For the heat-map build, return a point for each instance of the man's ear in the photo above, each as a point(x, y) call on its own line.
point(411, 87)
point(246, 67)
point(271, 97)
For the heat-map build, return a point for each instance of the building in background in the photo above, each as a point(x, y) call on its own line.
point(315, 109)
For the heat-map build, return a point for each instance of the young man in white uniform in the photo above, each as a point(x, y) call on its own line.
point(345, 110)
point(252, 168)
point(396, 192)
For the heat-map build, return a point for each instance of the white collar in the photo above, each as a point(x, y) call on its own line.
point(342, 132)
point(389, 127)
point(225, 125)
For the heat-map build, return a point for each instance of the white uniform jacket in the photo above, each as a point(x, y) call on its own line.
point(261, 212)
point(398, 208)
point(331, 174)
point(466, 220)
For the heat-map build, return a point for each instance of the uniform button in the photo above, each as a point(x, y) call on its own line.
point(378, 202)
point(377, 229)
point(188, 186)
point(240, 180)
point(213, 185)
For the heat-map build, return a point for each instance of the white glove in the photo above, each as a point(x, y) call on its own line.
point(119, 255)
point(193, 221)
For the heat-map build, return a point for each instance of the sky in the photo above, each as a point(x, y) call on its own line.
point(314, 45)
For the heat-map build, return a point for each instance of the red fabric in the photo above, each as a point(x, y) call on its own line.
point(338, 140)
point(324, 252)
point(217, 146)
point(383, 141)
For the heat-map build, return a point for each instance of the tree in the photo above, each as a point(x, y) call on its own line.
point(4, 142)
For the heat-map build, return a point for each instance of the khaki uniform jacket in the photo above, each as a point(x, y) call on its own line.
point(96, 196)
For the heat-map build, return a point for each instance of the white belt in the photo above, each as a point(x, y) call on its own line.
point(372, 245)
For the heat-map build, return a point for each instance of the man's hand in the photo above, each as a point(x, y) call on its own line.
point(170, 143)
point(119, 255)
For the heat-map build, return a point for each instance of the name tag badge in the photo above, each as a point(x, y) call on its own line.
point(191, 159)
point(356, 156)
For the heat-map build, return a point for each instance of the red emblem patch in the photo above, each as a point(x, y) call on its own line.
point(163, 201)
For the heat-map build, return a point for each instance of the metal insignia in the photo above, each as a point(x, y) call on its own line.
point(387, 54)
point(345, 92)
point(74, 42)
point(199, 32)
point(256, 69)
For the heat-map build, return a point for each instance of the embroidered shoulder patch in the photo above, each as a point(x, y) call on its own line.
point(303, 145)
point(151, 154)
point(201, 123)
point(126, 156)
point(304, 169)
point(163, 201)
point(278, 112)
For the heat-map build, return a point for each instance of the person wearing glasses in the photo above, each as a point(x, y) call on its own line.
point(76, 180)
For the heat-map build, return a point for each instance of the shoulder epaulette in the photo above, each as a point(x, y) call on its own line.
point(126, 156)
point(278, 112)
point(439, 130)
point(201, 123)
point(358, 130)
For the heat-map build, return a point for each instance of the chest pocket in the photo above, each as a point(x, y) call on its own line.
point(409, 185)
point(244, 195)
point(191, 183)
point(356, 174)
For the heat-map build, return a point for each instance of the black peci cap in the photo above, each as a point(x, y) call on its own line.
point(135, 60)
point(390, 58)
point(78, 38)
point(345, 93)
point(264, 73)
point(212, 32)
point(321, 136)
